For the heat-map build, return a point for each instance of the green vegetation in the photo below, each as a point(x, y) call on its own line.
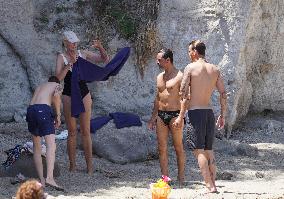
point(133, 20)
point(43, 19)
point(60, 9)
point(126, 25)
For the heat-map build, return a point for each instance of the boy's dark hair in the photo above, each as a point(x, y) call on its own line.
point(53, 79)
point(168, 54)
point(199, 46)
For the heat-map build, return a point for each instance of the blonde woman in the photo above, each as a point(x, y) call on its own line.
point(64, 66)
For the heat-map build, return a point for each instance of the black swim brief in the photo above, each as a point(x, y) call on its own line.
point(167, 116)
point(201, 129)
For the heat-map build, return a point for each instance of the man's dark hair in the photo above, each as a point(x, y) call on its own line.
point(168, 54)
point(199, 46)
point(53, 79)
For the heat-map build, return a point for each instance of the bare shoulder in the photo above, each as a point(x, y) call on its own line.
point(190, 66)
point(179, 75)
point(187, 66)
point(214, 67)
point(60, 55)
point(160, 76)
point(60, 60)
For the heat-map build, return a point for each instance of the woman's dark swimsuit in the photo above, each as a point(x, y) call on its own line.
point(67, 86)
point(167, 116)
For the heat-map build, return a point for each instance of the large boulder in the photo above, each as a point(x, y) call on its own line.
point(130, 144)
point(25, 165)
point(13, 81)
point(235, 148)
point(244, 38)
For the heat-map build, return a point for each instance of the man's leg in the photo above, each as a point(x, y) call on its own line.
point(162, 135)
point(210, 135)
point(211, 164)
point(71, 125)
point(50, 158)
point(37, 158)
point(178, 145)
point(204, 168)
point(85, 132)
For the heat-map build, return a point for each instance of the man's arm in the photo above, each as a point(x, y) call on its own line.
point(56, 101)
point(185, 84)
point(184, 102)
point(183, 106)
point(153, 119)
point(223, 101)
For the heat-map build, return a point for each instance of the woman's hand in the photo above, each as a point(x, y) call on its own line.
point(68, 66)
point(97, 44)
point(57, 122)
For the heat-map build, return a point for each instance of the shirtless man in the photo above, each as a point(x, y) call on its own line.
point(168, 113)
point(41, 123)
point(199, 80)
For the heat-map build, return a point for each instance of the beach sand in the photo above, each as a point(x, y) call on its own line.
point(253, 177)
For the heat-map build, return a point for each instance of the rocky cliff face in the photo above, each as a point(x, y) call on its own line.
point(244, 38)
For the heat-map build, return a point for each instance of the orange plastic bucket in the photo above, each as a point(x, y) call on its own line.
point(160, 193)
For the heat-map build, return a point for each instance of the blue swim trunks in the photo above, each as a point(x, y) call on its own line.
point(40, 120)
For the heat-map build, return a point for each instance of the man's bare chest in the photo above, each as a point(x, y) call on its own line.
point(169, 86)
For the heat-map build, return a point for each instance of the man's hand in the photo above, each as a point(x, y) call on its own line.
point(57, 122)
point(220, 122)
point(178, 122)
point(152, 123)
point(97, 44)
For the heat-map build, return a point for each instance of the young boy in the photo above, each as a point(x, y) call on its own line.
point(42, 123)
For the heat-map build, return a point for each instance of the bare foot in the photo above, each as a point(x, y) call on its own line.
point(90, 171)
point(50, 181)
point(72, 168)
point(181, 182)
point(42, 182)
point(211, 188)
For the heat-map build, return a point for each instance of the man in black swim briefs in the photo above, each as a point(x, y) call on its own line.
point(199, 81)
point(168, 113)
